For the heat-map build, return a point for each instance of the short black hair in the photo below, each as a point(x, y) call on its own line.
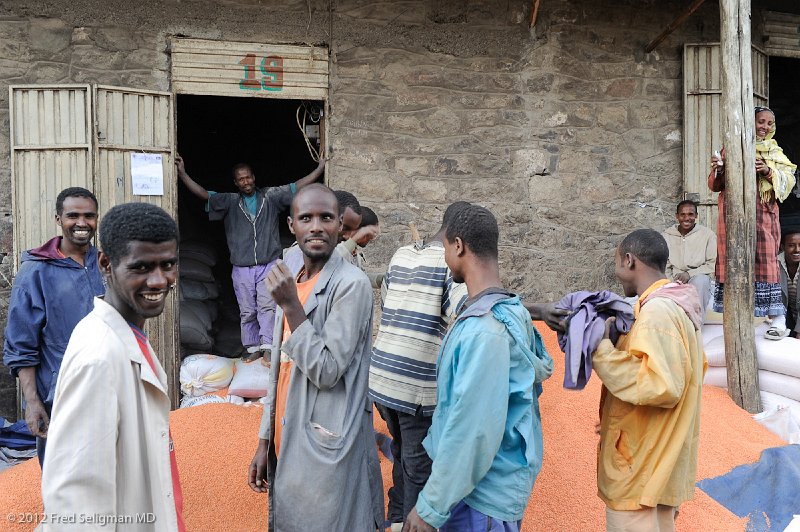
point(477, 229)
point(310, 188)
point(451, 211)
point(130, 222)
point(241, 166)
point(368, 217)
point(788, 231)
point(648, 246)
point(346, 200)
point(73, 192)
point(686, 202)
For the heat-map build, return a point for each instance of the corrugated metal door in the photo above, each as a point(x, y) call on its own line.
point(131, 121)
point(50, 151)
point(702, 129)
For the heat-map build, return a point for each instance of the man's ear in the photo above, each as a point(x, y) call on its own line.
point(104, 262)
point(289, 221)
point(629, 261)
point(58, 220)
point(459, 245)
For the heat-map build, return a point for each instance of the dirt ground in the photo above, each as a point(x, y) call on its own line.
point(215, 443)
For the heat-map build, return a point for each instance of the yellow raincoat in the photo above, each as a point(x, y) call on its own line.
point(650, 408)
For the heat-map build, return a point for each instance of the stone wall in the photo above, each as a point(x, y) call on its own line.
point(569, 133)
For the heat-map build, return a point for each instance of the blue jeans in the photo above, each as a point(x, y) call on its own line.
point(412, 465)
point(465, 519)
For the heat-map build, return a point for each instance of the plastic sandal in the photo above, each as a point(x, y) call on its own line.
point(774, 333)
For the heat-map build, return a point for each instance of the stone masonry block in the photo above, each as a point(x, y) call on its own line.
point(663, 89)
point(621, 88)
point(528, 162)
point(409, 123)
point(652, 114)
point(43, 72)
point(429, 190)
point(410, 166)
point(614, 118)
point(49, 35)
point(540, 83)
point(546, 189)
point(443, 121)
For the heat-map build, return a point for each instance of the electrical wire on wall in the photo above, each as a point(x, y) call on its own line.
point(309, 113)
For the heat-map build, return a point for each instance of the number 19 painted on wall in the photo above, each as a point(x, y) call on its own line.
point(272, 69)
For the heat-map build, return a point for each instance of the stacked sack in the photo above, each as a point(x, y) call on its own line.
point(198, 296)
point(201, 376)
point(778, 367)
point(204, 378)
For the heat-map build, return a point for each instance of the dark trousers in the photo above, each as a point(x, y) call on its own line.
point(412, 465)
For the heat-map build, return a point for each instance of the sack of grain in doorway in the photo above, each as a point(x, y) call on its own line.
point(202, 374)
point(251, 379)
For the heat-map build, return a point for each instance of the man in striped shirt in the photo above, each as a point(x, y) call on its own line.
point(419, 298)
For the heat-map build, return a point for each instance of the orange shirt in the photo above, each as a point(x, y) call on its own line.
point(284, 377)
point(177, 491)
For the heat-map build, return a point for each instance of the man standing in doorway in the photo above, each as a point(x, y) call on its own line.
point(110, 451)
point(692, 251)
point(418, 301)
point(53, 290)
point(251, 228)
point(486, 437)
point(316, 452)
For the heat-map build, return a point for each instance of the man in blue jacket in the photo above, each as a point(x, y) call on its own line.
point(486, 437)
point(53, 290)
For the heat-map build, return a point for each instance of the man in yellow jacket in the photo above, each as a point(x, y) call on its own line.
point(650, 402)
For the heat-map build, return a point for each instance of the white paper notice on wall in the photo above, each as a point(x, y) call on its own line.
point(147, 174)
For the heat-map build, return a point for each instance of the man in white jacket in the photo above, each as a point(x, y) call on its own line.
point(692, 251)
point(110, 459)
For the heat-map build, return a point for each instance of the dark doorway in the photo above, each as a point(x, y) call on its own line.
point(213, 134)
point(784, 92)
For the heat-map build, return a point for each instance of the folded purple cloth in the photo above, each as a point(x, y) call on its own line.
point(585, 328)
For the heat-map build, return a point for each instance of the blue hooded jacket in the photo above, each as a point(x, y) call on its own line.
point(486, 436)
point(50, 295)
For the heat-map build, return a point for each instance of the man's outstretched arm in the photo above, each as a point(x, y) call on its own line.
point(555, 318)
point(190, 183)
point(312, 177)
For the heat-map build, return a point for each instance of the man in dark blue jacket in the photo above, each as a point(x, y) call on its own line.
point(53, 290)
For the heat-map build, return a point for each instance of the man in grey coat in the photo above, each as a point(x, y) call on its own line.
point(316, 454)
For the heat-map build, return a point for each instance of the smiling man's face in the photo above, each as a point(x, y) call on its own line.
point(78, 220)
point(139, 284)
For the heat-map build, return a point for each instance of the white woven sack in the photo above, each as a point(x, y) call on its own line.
point(715, 352)
point(187, 402)
point(782, 356)
point(716, 376)
point(251, 379)
point(779, 421)
point(202, 374)
point(780, 384)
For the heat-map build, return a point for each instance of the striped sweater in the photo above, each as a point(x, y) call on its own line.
point(419, 298)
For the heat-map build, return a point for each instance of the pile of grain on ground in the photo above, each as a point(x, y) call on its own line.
point(216, 442)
